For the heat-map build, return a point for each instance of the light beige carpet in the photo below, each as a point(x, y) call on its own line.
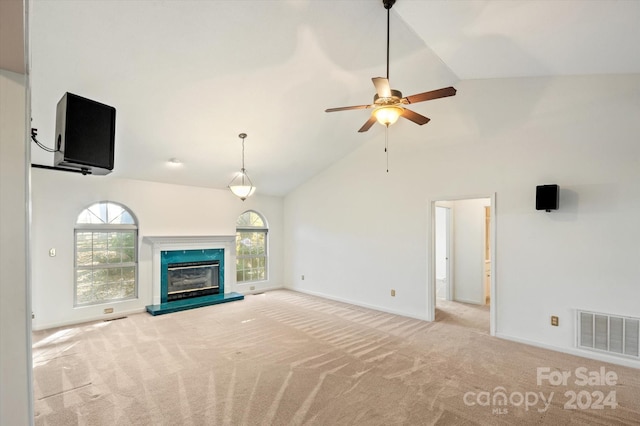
point(285, 358)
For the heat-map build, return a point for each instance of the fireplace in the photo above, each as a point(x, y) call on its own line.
point(190, 271)
point(192, 279)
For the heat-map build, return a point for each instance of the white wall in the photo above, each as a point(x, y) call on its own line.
point(15, 327)
point(161, 209)
point(468, 235)
point(355, 231)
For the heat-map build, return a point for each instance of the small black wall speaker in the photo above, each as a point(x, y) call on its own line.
point(547, 197)
point(85, 134)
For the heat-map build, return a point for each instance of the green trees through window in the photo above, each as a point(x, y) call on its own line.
point(106, 254)
point(251, 247)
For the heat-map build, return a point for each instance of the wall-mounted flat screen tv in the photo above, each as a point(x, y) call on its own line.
point(85, 135)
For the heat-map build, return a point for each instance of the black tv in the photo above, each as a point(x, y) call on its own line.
point(85, 135)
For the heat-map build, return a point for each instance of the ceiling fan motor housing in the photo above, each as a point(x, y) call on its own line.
point(395, 98)
point(388, 4)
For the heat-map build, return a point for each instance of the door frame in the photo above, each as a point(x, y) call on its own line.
point(431, 241)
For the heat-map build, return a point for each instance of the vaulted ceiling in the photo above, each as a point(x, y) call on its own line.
point(186, 77)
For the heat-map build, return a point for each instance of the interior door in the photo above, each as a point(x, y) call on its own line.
point(443, 253)
point(487, 255)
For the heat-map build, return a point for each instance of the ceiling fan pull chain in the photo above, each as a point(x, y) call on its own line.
point(386, 144)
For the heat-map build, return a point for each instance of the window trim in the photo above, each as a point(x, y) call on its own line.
point(259, 229)
point(105, 228)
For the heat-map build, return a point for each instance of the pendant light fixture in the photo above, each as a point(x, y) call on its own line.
point(241, 185)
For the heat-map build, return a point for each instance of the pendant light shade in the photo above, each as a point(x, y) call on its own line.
point(241, 186)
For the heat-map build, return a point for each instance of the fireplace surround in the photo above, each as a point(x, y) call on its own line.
point(191, 271)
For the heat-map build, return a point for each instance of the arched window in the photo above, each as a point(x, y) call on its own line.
point(106, 259)
point(251, 247)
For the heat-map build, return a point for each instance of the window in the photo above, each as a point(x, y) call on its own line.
point(251, 247)
point(106, 254)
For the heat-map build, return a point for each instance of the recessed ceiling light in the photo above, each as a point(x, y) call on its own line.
point(174, 162)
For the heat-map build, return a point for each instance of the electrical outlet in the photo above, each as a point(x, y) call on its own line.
point(52, 252)
point(554, 321)
point(108, 310)
point(393, 293)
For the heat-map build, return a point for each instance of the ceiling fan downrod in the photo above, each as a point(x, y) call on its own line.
point(388, 4)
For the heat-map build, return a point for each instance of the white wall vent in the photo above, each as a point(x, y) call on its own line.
point(609, 333)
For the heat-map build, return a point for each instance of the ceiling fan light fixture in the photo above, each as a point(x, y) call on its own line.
point(241, 186)
point(387, 102)
point(388, 114)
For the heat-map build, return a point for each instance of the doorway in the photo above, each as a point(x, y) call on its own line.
point(442, 252)
point(462, 279)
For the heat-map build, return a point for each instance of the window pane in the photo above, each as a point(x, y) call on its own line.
point(244, 245)
point(255, 220)
point(84, 277)
point(100, 240)
point(128, 239)
point(98, 213)
point(84, 248)
point(84, 295)
point(84, 240)
point(260, 243)
point(128, 289)
point(128, 255)
point(115, 239)
point(100, 257)
point(250, 219)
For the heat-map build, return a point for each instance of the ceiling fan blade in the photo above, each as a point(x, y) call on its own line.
point(382, 87)
point(434, 94)
point(368, 124)
point(347, 108)
point(415, 117)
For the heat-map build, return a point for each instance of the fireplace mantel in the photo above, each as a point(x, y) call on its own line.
point(196, 242)
point(190, 241)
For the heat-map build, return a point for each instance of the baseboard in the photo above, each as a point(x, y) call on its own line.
point(356, 303)
point(574, 351)
point(469, 302)
point(79, 321)
point(260, 290)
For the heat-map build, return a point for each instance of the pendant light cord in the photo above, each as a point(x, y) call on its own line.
point(243, 136)
point(243, 154)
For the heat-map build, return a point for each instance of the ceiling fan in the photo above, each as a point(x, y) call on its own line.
point(388, 104)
